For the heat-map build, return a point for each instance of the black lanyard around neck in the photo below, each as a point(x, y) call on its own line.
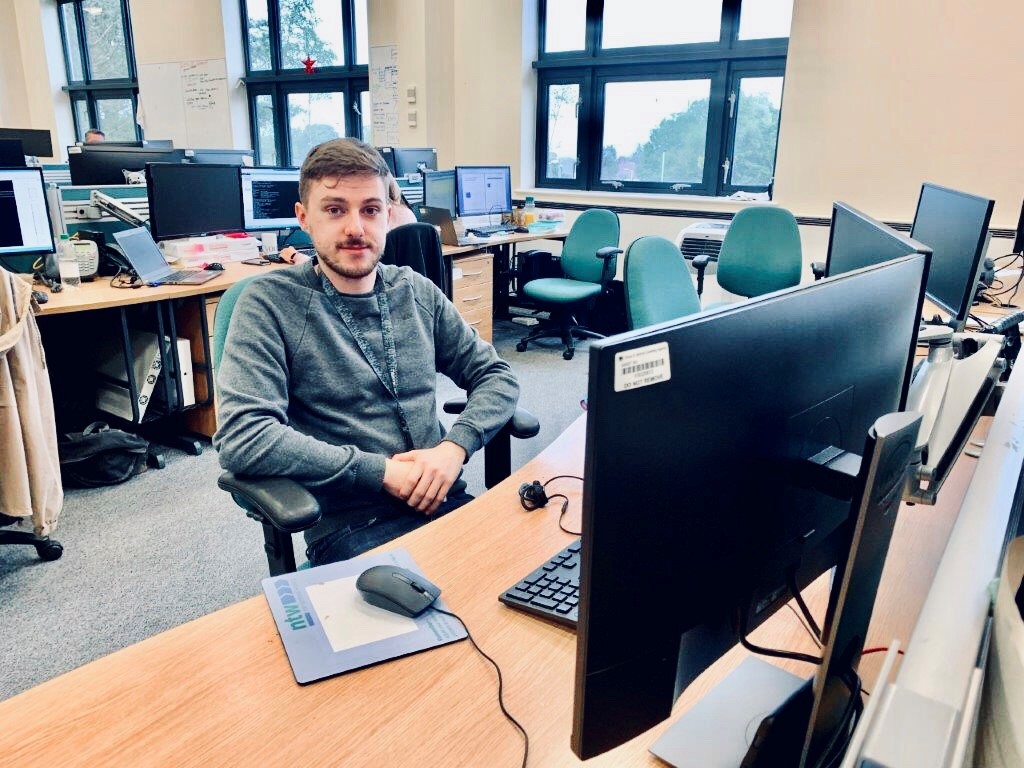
point(388, 375)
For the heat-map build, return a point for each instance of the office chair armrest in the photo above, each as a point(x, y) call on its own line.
point(818, 269)
point(278, 500)
point(522, 425)
point(700, 263)
point(608, 252)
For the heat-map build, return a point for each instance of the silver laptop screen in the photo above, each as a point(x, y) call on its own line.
point(142, 253)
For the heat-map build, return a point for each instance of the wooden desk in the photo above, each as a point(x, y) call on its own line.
point(219, 690)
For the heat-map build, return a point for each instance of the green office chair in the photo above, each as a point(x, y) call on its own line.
point(657, 282)
point(588, 266)
point(284, 507)
point(760, 254)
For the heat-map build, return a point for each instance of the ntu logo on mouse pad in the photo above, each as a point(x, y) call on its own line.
point(294, 615)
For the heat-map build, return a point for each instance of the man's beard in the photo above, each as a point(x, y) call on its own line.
point(350, 272)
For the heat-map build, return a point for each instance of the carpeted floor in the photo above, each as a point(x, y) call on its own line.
point(169, 546)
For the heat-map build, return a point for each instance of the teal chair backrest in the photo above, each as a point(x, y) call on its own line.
point(595, 229)
point(225, 307)
point(657, 282)
point(761, 252)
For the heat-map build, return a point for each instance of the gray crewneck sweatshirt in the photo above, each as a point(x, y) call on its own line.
point(296, 396)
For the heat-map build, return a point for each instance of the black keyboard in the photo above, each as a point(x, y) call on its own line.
point(493, 229)
point(552, 591)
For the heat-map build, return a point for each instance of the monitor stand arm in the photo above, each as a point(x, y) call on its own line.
point(116, 208)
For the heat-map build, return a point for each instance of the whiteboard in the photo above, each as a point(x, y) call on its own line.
point(384, 94)
point(187, 102)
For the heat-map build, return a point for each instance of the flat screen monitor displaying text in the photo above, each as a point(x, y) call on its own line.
point(955, 226)
point(269, 196)
point(24, 215)
point(190, 200)
point(483, 190)
point(709, 497)
point(439, 191)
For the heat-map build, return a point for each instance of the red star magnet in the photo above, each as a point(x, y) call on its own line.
point(308, 64)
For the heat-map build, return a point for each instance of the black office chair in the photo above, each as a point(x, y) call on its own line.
point(46, 548)
point(419, 246)
point(284, 507)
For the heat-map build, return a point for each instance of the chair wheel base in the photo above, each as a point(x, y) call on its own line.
point(567, 354)
point(49, 550)
point(521, 346)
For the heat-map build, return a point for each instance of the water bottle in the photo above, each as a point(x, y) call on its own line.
point(67, 263)
point(529, 212)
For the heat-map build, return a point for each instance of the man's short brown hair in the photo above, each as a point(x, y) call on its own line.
point(341, 157)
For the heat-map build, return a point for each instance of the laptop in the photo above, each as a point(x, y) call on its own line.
point(148, 262)
point(442, 219)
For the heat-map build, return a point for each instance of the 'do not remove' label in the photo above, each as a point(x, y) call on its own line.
point(642, 367)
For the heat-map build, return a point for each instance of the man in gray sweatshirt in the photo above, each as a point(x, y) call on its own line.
point(329, 370)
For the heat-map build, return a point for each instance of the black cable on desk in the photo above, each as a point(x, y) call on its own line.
point(501, 684)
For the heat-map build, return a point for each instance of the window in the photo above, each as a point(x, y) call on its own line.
point(100, 66)
point(292, 110)
point(689, 104)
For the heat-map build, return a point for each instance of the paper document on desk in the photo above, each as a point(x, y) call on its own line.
point(327, 628)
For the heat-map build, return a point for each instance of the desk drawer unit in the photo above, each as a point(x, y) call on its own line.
point(473, 290)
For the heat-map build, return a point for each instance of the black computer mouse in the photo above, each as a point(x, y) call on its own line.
point(521, 230)
point(214, 266)
point(397, 590)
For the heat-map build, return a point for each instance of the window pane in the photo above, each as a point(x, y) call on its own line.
point(74, 51)
point(757, 131)
point(81, 118)
point(366, 118)
point(313, 118)
point(566, 26)
point(259, 35)
point(117, 119)
point(765, 18)
point(265, 133)
point(362, 36)
point(311, 28)
point(655, 131)
point(563, 130)
point(104, 36)
point(629, 23)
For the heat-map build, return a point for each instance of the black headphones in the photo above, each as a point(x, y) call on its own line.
point(532, 495)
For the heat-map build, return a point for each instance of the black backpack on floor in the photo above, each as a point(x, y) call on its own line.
point(99, 455)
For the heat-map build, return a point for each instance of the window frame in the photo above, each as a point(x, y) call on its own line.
point(278, 82)
point(727, 59)
point(87, 88)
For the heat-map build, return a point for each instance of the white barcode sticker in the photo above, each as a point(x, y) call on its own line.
point(642, 367)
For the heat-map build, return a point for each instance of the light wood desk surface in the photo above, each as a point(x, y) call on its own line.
point(512, 238)
point(100, 294)
point(219, 690)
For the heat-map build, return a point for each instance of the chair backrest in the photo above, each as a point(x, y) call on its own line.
point(761, 252)
point(419, 247)
point(595, 228)
point(657, 282)
point(225, 307)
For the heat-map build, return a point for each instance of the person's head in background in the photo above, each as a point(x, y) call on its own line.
point(401, 213)
point(345, 208)
point(95, 136)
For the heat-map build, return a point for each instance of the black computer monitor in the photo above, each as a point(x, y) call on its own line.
point(269, 196)
point(856, 240)
point(410, 160)
point(482, 190)
point(1018, 241)
point(94, 164)
point(34, 141)
point(24, 214)
point(220, 156)
point(388, 153)
point(955, 225)
point(12, 153)
point(705, 501)
point(190, 200)
point(439, 190)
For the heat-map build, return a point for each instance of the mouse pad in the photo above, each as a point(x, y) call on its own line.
point(327, 628)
